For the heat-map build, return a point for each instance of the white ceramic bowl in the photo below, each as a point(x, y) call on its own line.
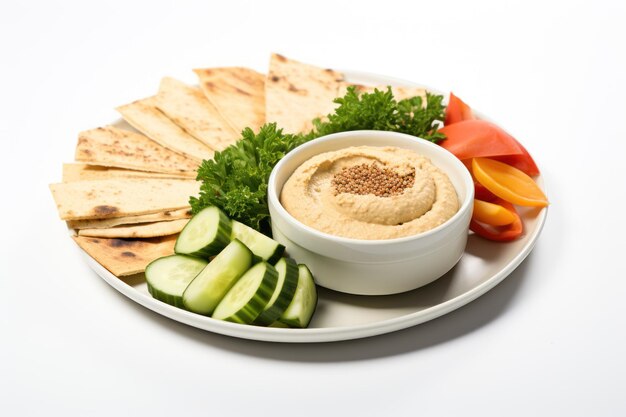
point(373, 267)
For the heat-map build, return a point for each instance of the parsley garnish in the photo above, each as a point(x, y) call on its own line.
point(380, 111)
point(235, 180)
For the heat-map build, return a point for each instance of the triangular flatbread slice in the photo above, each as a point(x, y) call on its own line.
point(142, 230)
point(238, 94)
point(189, 108)
point(184, 213)
point(84, 172)
point(144, 116)
point(296, 93)
point(102, 199)
point(114, 147)
point(126, 256)
point(401, 93)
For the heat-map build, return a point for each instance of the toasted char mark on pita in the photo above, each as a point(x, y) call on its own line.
point(100, 199)
point(144, 116)
point(121, 243)
point(105, 211)
point(114, 147)
point(84, 172)
point(141, 230)
point(297, 93)
point(126, 256)
point(189, 108)
point(399, 93)
point(184, 213)
point(237, 93)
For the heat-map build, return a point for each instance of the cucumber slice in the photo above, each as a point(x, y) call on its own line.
point(301, 309)
point(285, 289)
point(262, 246)
point(208, 288)
point(249, 296)
point(167, 277)
point(205, 235)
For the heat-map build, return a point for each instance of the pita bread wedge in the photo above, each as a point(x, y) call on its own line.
point(237, 93)
point(189, 108)
point(141, 230)
point(126, 256)
point(114, 147)
point(84, 172)
point(143, 218)
point(399, 93)
point(144, 116)
point(102, 199)
point(296, 93)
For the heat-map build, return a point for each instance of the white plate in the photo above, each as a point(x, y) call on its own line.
point(341, 316)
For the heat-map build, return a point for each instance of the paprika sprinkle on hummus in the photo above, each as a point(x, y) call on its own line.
point(369, 192)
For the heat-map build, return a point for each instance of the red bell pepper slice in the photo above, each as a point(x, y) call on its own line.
point(457, 111)
point(524, 162)
point(478, 138)
point(500, 233)
point(482, 193)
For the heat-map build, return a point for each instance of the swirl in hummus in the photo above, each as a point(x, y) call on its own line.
point(369, 192)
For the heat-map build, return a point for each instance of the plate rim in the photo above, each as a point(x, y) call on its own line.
point(328, 334)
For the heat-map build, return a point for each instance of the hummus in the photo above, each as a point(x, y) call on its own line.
point(370, 192)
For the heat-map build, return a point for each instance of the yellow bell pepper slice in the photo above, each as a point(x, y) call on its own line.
point(508, 183)
point(492, 214)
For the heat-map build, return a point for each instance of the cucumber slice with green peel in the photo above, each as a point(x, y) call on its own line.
point(208, 288)
point(249, 296)
point(283, 294)
point(205, 235)
point(169, 276)
point(262, 246)
point(302, 307)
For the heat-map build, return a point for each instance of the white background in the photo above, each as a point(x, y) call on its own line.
point(549, 340)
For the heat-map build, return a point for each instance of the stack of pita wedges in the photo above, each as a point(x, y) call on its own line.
point(127, 194)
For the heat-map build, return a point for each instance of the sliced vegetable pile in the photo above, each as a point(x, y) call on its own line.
point(501, 168)
point(227, 270)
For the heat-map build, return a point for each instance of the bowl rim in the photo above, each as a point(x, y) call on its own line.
point(274, 200)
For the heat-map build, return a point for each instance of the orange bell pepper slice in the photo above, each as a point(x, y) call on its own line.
point(492, 214)
point(508, 183)
point(500, 233)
